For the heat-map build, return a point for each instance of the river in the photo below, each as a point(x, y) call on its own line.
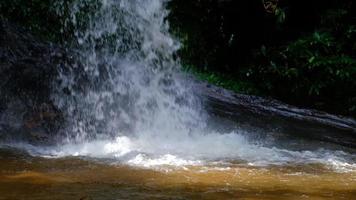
point(26, 177)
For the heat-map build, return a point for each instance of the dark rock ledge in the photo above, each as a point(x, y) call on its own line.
point(273, 115)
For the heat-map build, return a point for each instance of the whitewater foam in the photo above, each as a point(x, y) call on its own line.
point(206, 150)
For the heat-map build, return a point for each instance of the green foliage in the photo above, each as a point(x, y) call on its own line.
point(304, 53)
point(280, 15)
point(315, 70)
point(211, 31)
point(222, 80)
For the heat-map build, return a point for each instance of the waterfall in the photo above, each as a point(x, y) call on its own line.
point(126, 79)
point(123, 97)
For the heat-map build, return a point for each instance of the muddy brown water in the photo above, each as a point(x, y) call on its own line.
point(26, 177)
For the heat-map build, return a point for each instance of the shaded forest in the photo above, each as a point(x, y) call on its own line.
point(298, 51)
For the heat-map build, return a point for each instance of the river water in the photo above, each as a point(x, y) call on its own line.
point(134, 129)
point(26, 177)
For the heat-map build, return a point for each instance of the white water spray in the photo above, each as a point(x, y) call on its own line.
point(125, 81)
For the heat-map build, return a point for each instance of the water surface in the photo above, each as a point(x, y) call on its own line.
point(25, 177)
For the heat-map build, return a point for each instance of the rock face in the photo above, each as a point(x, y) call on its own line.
point(272, 115)
point(28, 68)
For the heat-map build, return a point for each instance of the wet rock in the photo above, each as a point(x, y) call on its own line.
point(274, 116)
point(27, 69)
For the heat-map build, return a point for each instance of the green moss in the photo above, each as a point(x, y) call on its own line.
point(223, 80)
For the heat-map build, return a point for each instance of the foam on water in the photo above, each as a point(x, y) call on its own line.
point(212, 149)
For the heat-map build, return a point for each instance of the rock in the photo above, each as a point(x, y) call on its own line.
point(272, 115)
point(27, 69)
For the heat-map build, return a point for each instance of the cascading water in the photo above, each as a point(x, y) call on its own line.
point(125, 99)
point(125, 80)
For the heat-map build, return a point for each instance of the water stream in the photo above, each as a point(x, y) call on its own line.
point(135, 129)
